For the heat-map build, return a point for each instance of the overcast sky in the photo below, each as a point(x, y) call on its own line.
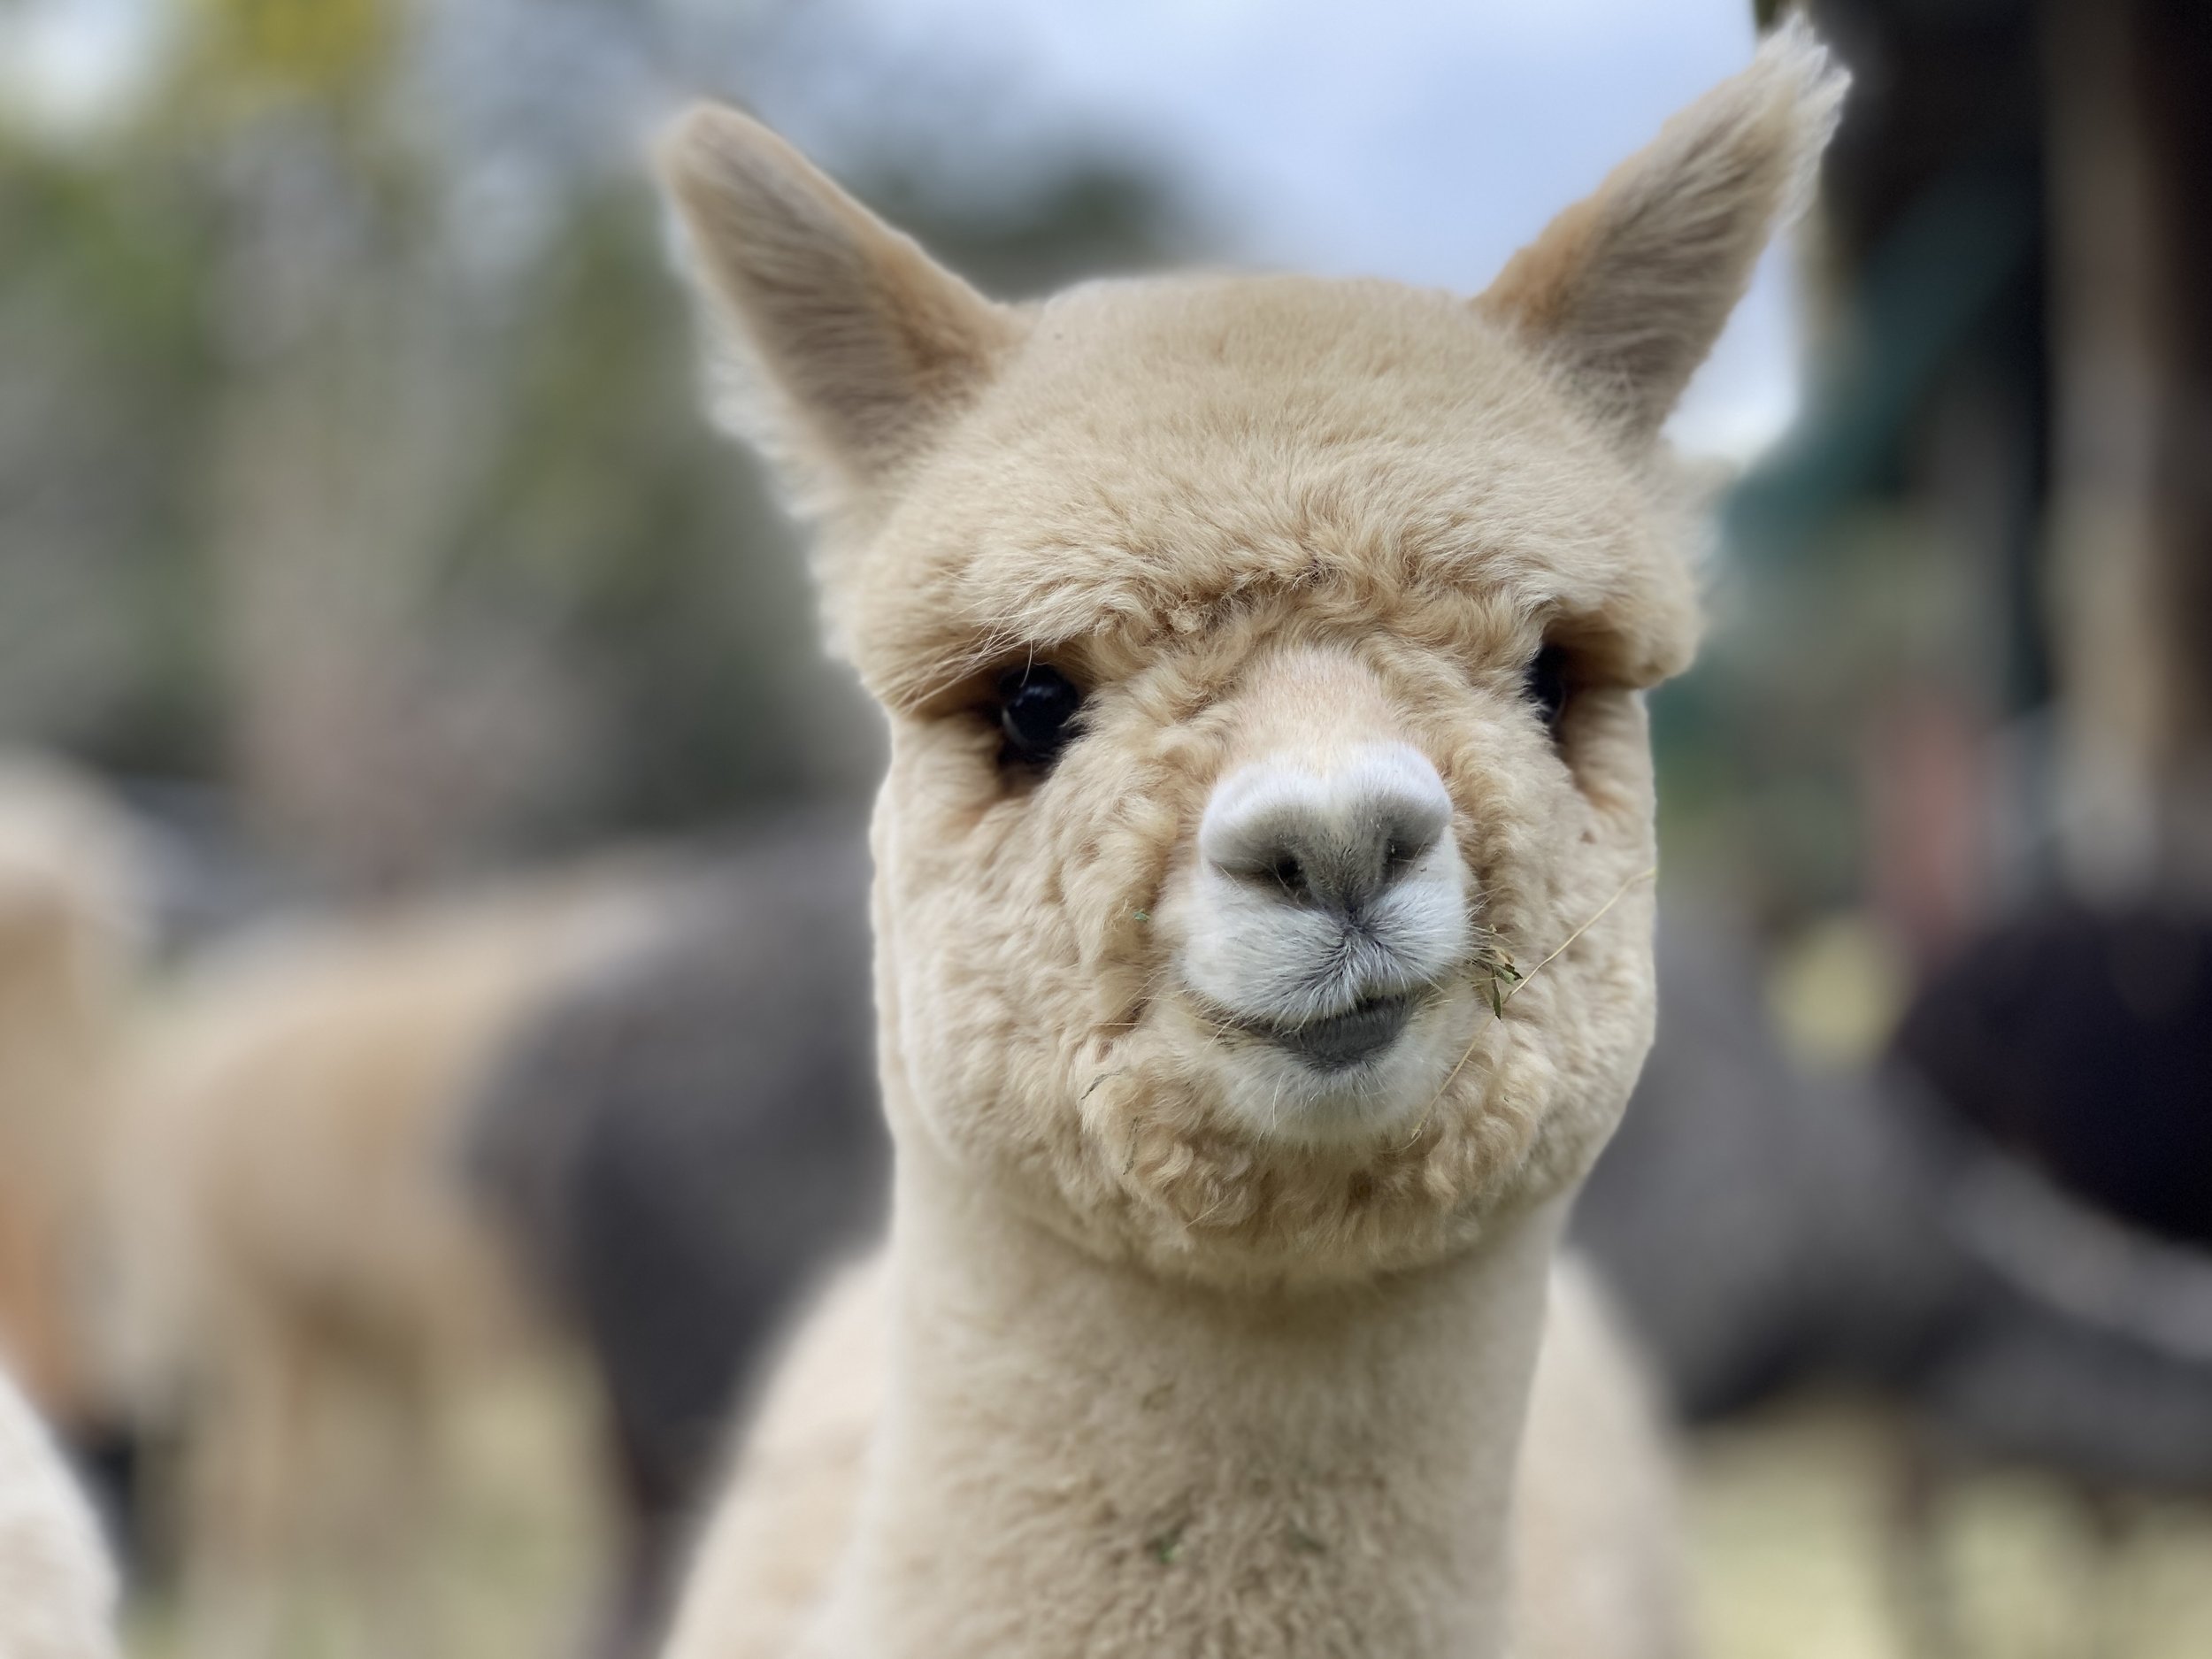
point(1418, 139)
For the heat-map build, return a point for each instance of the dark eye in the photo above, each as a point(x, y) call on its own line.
point(1037, 706)
point(1544, 685)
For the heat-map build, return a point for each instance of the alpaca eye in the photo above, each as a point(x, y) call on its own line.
point(1544, 685)
point(1037, 706)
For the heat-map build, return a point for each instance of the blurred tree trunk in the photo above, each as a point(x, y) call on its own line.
point(370, 745)
point(2130, 113)
point(377, 738)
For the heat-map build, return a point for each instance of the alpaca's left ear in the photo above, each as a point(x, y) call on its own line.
point(839, 347)
point(1627, 289)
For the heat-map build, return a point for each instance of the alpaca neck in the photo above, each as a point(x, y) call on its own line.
point(1080, 1458)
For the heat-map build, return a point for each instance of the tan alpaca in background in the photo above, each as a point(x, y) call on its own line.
point(1263, 660)
point(56, 1586)
point(302, 1267)
point(72, 926)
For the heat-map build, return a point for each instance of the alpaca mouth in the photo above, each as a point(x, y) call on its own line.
point(1340, 1041)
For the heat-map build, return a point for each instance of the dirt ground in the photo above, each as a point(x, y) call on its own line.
point(1786, 1512)
point(1794, 1556)
point(514, 1572)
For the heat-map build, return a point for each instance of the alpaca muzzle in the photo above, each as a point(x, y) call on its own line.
point(1329, 896)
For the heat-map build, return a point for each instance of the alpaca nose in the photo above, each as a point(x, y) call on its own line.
point(1334, 838)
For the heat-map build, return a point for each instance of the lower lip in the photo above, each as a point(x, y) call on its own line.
point(1345, 1041)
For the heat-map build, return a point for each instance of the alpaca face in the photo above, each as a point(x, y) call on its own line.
point(1211, 936)
point(1264, 660)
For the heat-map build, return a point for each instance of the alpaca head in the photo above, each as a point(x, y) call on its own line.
point(1264, 661)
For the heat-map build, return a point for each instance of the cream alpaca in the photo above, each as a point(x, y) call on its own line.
point(56, 1587)
point(1262, 656)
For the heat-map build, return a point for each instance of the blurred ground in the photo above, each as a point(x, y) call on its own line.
point(523, 1544)
point(1785, 1507)
point(1788, 1508)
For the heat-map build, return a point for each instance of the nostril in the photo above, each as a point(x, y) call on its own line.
point(1334, 839)
point(1408, 837)
point(1327, 865)
point(1272, 865)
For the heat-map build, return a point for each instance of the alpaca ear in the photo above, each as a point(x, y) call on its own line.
point(839, 346)
point(1627, 289)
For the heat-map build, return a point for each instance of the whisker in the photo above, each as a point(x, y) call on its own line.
point(1520, 981)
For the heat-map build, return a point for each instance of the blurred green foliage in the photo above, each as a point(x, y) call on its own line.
point(103, 308)
point(309, 457)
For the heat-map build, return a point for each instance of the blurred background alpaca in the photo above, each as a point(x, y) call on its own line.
point(366, 573)
point(71, 922)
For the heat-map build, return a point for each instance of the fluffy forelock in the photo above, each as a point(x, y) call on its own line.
point(1159, 454)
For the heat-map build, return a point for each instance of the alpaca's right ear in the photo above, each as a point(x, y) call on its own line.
point(840, 345)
